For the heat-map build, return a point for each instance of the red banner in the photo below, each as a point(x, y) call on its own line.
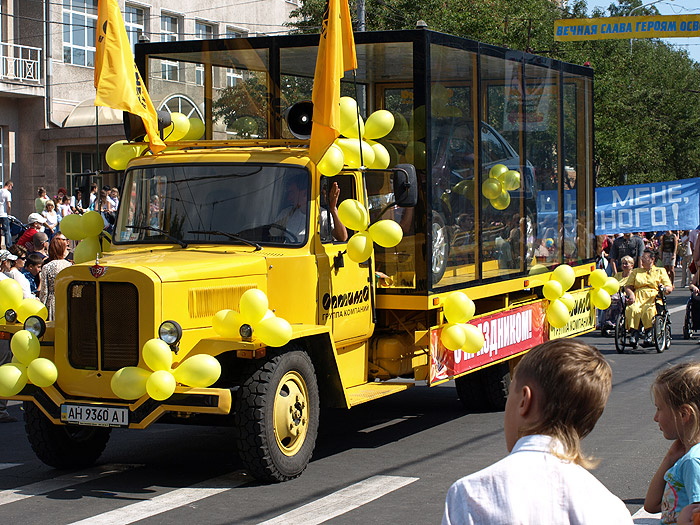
point(505, 333)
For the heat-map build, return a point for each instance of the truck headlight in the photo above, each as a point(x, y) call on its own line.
point(35, 325)
point(170, 332)
point(246, 331)
point(10, 316)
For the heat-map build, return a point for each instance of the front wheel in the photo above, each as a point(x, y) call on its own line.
point(277, 412)
point(661, 333)
point(63, 446)
point(620, 334)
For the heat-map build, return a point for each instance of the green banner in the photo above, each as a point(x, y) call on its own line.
point(627, 27)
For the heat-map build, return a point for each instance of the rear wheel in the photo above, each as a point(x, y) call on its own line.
point(660, 335)
point(686, 324)
point(620, 334)
point(277, 413)
point(63, 446)
point(486, 389)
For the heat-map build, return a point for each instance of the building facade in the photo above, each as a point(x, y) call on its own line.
point(48, 135)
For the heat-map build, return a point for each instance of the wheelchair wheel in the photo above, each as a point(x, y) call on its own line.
point(620, 335)
point(686, 322)
point(661, 333)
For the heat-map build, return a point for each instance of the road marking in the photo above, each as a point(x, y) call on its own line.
point(341, 501)
point(61, 482)
point(168, 501)
point(642, 517)
point(386, 424)
point(676, 309)
point(8, 465)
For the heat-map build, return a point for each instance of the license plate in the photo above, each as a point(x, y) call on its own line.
point(95, 416)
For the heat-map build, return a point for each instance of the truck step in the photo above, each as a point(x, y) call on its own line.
point(361, 394)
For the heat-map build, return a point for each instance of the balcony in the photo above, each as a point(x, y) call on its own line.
point(20, 75)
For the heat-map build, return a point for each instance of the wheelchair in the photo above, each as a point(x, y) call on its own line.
point(692, 317)
point(660, 328)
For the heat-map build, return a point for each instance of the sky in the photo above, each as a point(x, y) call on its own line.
point(665, 7)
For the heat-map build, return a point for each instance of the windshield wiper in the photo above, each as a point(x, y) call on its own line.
point(158, 230)
point(233, 236)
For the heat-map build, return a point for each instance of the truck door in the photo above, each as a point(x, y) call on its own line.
point(348, 301)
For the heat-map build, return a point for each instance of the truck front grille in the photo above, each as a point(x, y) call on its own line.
point(118, 334)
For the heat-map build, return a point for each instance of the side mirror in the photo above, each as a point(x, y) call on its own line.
point(405, 185)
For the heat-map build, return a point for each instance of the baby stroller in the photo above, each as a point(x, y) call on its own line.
point(609, 317)
point(660, 328)
point(17, 228)
point(692, 316)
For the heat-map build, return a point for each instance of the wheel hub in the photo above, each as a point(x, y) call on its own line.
point(291, 414)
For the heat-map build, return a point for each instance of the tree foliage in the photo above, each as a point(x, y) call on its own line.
point(647, 105)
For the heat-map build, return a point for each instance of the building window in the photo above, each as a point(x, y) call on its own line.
point(79, 23)
point(203, 32)
point(134, 23)
point(232, 75)
point(169, 33)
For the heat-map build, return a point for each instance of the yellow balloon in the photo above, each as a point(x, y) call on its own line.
point(105, 242)
point(382, 158)
point(458, 308)
point(418, 123)
point(199, 371)
point(557, 314)
point(13, 378)
point(29, 307)
point(354, 129)
point(93, 224)
point(502, 201)
point(227, 323)
point(538, 269)
point(511, 180)
point(119, 154)
point(360, 247)
point(348, 113)
point(274, 331)
point(179, 127)
point(196, 129)
point(393, 154)
point(253, 306)
point(161, 385)
point(453, 336)
point(130, 382)
point(25, 347)
point(10, 295)
point(379, 124)
point(332, 161)
point(491, 188)
point(386, 233)
point(72, 227)
point(367, 154)
point(497, 170)
point(611, 285)
point(351, 151)
point(42, 372)
point(568, 300)
point(157, 355)
point(415, 154)
point(474, 340)
point(600, 298)
point(465, 187)
point(565, 275)
point(552, 290)
point(353, 215)
point(597, 278)
point(87, 250)
point(400, 130)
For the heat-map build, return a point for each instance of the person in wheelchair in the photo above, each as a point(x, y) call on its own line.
point(609, 316)
point(641, 292)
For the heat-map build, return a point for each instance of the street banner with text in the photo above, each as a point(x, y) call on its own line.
point(675, 26)
point(658, 206)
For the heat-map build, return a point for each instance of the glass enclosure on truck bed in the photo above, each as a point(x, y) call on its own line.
point(501, 141)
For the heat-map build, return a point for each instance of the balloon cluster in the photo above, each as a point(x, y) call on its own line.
point(457, 334)
point(358, 144)
point(603, 288)
point(85, 228)
point(254, 312)
point(561, 302)
point(385, 232)
point(26, 365)
point(11, 298)
point(501, 180)
point(132, 382)
point(121, 152)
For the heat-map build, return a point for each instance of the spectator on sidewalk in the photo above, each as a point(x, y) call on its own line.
point(32, 267)
point(41, 199)
point(16, 270)
point(58, 251)
point(35, 224)
point(5, 212)
point(669, 247)
point(40, 245)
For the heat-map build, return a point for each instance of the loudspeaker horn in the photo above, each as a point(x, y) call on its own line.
point(134, 128)
point(299, 117)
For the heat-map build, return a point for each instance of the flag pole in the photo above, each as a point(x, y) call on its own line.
point(97, 137)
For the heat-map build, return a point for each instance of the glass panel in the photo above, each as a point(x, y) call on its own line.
point(78, 57)
point(66, 27)
point(78, 30)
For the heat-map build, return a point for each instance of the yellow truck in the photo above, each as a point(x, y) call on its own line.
point(245, 208)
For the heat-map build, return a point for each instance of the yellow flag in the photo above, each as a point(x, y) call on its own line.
point(336, 54)
point(117, 80)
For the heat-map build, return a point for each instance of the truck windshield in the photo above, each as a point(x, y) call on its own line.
point(214, 203)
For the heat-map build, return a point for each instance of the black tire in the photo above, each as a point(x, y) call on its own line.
point(686, 324)
point(269, 450)
point(486, 389)
point(659, 333)
point(620, 334)
point(63, 446)
point(440, 246)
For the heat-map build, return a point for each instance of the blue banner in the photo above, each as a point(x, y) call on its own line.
point(658, 206)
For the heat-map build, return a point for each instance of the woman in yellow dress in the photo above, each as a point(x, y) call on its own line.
point(641, 291)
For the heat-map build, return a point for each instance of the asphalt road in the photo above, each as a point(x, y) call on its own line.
point(390, 461)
